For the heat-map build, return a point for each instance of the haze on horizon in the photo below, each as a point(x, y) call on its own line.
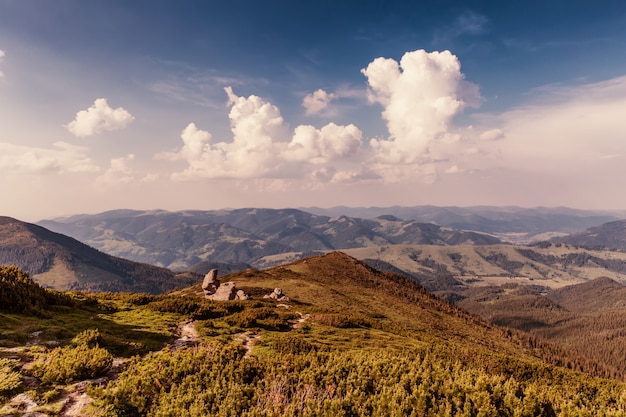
point(205, 105)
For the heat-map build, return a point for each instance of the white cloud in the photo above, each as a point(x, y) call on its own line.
point(261, 146)
point(420, 96)
point(492, 135)
point(1, 56)
point(317, 101)
point(118, 173)
point(321, 146)
point(566, 127)
point(98, 118)
point(63, 158)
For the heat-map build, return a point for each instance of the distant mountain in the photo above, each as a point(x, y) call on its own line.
point(178, 240)
point(610, 236)
point(513, 224)
point(60, 262)
point(453, 268)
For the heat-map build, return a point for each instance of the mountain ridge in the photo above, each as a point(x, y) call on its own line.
point(178, 240)
point(61, 262)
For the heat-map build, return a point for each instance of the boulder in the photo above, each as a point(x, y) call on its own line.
point(213, 290)
point(277, 294)
point(226, 291)
point(210, 284)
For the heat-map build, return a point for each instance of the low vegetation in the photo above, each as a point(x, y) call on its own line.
point(352, 342)
point(216, 380)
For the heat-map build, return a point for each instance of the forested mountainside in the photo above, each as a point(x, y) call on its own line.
point(57, 261)
point(349, 341)
point(178, 240)
point(588, 318)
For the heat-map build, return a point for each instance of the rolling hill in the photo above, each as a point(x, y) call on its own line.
point(57, 261)
point(546, 265)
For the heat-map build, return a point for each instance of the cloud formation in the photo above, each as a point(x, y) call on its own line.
point(420, 96)
point(98, 118)
point(262, 146)
point(317, 101)
point(1, 56)
point(62, 158)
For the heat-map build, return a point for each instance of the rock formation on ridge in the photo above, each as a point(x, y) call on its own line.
point(213, 290)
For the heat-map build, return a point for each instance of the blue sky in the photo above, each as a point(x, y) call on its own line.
point(205, 104)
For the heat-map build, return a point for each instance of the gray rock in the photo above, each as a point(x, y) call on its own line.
point(226, 291)
point(213, 290)
point(210, 284)
point(277, 294)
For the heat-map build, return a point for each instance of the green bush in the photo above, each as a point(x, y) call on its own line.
point(214, 380)
point(10, 379)
point(89, 337)
point(68, 364)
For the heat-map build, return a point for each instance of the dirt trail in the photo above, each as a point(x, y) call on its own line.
point(249, 338)
point(294, 324)
point(189, 336)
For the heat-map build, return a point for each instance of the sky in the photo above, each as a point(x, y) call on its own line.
point(176, 105)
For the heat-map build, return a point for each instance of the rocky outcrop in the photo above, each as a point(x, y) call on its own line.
point(213, 290)
point(278, 295)
point(210, 283)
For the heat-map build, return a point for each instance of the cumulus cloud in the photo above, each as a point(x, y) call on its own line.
point(492, 135)
point(118, 173)
point(98, 118)
point(321, 146)
point(62, 158)
point(420, 96)
point(317, 101)
point(262, 146)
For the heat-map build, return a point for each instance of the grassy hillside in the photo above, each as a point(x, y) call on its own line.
point(352, 341)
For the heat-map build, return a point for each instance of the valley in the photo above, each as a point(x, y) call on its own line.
point(546, 318)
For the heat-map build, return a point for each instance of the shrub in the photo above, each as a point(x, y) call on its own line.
point(68, 364)
point(10, 379)
point(89, 337)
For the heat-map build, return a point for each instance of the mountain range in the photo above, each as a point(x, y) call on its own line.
point(569, 292)
point(178, 240)
point(512, 224)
